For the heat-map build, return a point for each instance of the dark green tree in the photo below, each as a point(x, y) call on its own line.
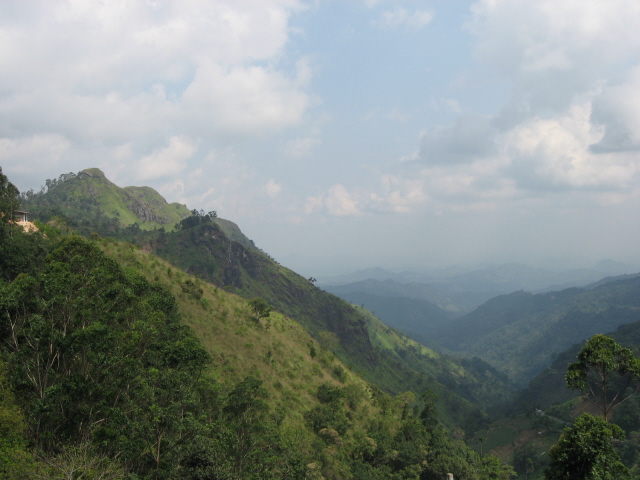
point(586, 452)
point(9, 202)
point(15, 460)
point(247, 430)
point(260, 308)
point(603, 373)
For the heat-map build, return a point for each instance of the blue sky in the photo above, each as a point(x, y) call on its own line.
point(342, 134)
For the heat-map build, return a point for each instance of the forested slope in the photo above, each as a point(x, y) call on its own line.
point(216, 251)
point(519, 333)
point(116, 364)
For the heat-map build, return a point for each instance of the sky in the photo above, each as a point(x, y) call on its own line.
point(344, 134)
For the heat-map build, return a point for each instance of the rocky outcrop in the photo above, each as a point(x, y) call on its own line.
point(146, 211)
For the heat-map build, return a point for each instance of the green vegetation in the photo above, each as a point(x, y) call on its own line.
point(184, 351)
point(586, 452)
point(604, 372)
point(201, 246)
point(89, 202)
point(8, 201)
point(520, 333)
point(117, 364)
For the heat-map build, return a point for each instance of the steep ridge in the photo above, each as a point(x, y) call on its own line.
point(419, 319)
point(90, 197)
point(391, 288)
point(393, 365)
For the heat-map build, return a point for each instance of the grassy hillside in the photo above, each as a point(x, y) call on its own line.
point(90, 198)
point(276, 349)
point(129, 392)
point(392, 365)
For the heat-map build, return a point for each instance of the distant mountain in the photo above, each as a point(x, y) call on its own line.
point(419, 319)
point(373, 273)
point(520, 332)
point(392, 288)
point(511, 277)
point(496, 279)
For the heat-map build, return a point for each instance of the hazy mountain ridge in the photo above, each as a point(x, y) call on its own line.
point(417, 318)
point(519, 333)
point(392, 288)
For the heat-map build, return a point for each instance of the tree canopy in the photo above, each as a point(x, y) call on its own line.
point(9, 202)
point(586, 452)
point(604, 372)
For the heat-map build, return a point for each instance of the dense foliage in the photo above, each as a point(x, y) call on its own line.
point(586, 452)
point(520, 333)
point(106, 375)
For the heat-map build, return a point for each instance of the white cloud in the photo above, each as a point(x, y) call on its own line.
point(20, 152)
point(617, 109)
point(243, 99)
point(41, 155)
point(140, 72)
point(554, 51)
point(527, 161)
point(554, 154)
point(336, 202)
point(568, 126)
point(166, 162)
point(272, 188)
point(401, 17)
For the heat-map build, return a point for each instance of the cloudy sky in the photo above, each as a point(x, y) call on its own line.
point(344, 133)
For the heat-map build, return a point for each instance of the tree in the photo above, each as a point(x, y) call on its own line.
point(9, 202)
point(586, 452)
point(603, 373)
point(260, 308)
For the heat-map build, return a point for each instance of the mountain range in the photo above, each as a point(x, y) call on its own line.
point(465, 338)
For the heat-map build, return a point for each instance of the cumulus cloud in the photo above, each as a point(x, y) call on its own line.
point(19, 153)
point(554, 51)
point(568, 125)
point(243, 99)
point(166, 162)
point(617, 110)
point(537, 156)
point(140, 72)
point(337, 201)
point(554, 154)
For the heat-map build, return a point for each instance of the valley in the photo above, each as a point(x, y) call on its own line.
point(383, 376)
